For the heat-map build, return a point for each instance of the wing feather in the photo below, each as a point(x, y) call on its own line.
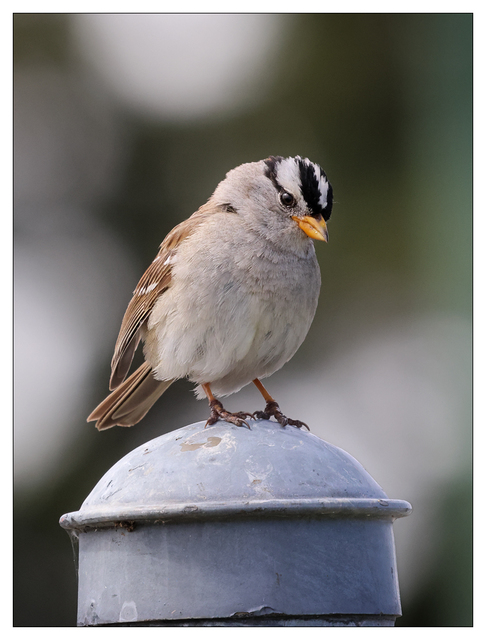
point(154, 282)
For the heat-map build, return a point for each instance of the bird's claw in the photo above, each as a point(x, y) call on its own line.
point(272, 409)
point(218, 412)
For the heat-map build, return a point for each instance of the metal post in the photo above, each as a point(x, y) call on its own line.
point(229, 527)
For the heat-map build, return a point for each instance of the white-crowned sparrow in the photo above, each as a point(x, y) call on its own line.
point(230, 295)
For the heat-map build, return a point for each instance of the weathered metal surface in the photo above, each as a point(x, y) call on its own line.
point(226, 523)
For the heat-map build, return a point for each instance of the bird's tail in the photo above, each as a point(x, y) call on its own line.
point(129, 402)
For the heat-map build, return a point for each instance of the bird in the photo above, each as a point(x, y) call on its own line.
point(229, 297)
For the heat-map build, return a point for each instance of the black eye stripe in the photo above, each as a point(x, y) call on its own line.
point(328, 208)
point(311, 190)
point(271, 170)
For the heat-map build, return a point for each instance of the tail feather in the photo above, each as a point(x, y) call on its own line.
point(129, 403)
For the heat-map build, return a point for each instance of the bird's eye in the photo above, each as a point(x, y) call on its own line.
point(287, 199)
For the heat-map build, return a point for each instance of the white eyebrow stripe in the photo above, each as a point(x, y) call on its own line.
point(288, 175)
point(324, 188)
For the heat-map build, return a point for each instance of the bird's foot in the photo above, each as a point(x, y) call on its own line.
point(218, 412)
point(272, 409)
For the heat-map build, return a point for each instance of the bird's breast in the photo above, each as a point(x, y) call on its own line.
point(239, 307)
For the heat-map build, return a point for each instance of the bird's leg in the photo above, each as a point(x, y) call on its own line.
point(272, 409)
point(219, 412)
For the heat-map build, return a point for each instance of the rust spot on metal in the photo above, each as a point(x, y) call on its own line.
point(139, 466)
point(191, 508)
point(210, 442)
point(128, 525)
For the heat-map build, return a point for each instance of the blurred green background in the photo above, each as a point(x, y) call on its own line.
point(123, 126)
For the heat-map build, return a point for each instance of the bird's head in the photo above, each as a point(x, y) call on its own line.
point(280, 198)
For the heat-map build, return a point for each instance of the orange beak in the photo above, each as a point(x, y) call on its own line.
point(315, 228)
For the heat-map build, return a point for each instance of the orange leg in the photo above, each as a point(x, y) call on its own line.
point(266, 396)
point(208, 392)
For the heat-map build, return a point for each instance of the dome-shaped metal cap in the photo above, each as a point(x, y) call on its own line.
point(228, 470)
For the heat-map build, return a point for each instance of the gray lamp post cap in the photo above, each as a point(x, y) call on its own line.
point(226, 525)
point(229, 470)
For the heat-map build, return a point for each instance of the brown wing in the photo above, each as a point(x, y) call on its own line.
point(153, 283)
